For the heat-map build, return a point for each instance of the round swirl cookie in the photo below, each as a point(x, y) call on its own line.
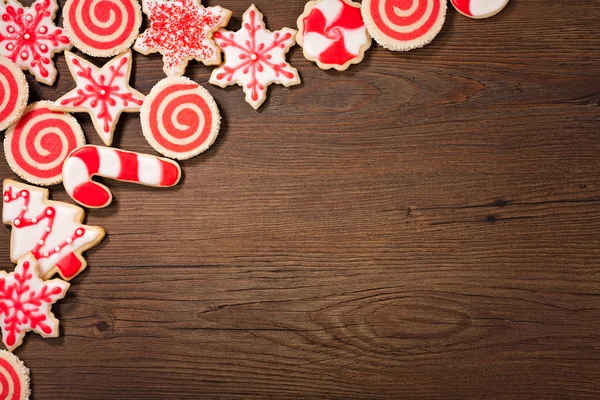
point(36, 147)
point(14, 377)
point(102, 28)
point(14, 92)
point(180, 118)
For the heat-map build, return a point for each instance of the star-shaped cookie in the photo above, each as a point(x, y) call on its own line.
point(181, 30)
point(104, 92)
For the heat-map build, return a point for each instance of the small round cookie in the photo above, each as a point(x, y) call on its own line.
point(333, 33)
point(38, 144)
point(102, 28)
point(180, 118)
point(14, 377)
point(404, 25)
point(14, 93)
point(479, 9)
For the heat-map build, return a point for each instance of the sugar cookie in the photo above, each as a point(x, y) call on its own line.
point(14, 93)
point(52, 231)
point(255, 58)
point(333, 33)
point(479, 9)
point(102, 28)
point(180, 118)
point(181, 30)
point(29, 38)
point(38, 144)
point(404, 25)
point(26, 301)
point(14, 377)
point(104, 93)
point(89, 161)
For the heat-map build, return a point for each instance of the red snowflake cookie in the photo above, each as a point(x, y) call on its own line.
point(181, 30)
point(255, 58)
point(29, 37)
point(25, 302)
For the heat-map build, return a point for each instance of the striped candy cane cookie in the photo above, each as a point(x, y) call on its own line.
point(88, 161)
point(14, 92)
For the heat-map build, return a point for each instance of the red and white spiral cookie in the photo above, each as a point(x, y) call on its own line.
point(102, 28)
point(180, 118)
point(403, 25)
point(333, 33)
point(36, 147)
point(14, 92)
point(479, 9)
point(14, 377)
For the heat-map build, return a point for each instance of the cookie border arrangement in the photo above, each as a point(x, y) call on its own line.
point(104, 92)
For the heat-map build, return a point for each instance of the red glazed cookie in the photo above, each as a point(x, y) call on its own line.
point(479, 9)
point(180, 118)
point(14, 93)
point(102, 28)
point(37, 146)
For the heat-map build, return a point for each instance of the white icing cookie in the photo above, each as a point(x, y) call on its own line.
point(479, 9)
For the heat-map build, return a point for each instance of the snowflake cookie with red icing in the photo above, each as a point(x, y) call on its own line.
point(14, 376)
point(29, 37)
point(51, 231)
point(181, 30)
point(255, 58)
point(104, 93)
point(25, 302)
point(333, 33)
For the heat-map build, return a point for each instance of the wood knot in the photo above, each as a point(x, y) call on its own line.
point(103, 328)
point(490, 219)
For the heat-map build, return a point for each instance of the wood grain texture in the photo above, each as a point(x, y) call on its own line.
point(425, 225)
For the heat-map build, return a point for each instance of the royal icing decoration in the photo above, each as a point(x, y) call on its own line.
point(402, 25)
point(479, 9)
point(14, 92)
point(102, 28)
point(38, 144)
point(88, 161)
point(181, 30)
point(180, 118)
point(104, 93)
point(51, 230)
point(29, 38)
point(333, 34)
point(255, 58)
point(14, 377)
point(25, 302)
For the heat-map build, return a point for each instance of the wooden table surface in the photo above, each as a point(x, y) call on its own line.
point(425, 225)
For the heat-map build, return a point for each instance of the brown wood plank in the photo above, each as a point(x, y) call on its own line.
point(425, 225)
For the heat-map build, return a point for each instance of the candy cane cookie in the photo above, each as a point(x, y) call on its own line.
point(14, 93)
point(333, 33)
point(402, 25)
point(38, 144)
point(180, 118)
point(479, 9)
point(14, 377)
point(102, 28)
point(89, 161)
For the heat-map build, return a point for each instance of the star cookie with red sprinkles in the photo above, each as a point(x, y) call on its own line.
point(104, 93)
point(29, 37)
point(25, 302)
point(181, 30)
point(255, 58)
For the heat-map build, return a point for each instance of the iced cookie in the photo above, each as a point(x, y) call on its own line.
point(14, 377)
point(26, 301)
point(404, 25)
point(181, 30)
point(14, 93)
point(479, 9)
point(50, 230)
point(255, 58)
point(29, 38)
point(333, 34)
point(180, 118)
point(102, 28)
point(104, 93)
point(38, 144)
point(89, 161)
